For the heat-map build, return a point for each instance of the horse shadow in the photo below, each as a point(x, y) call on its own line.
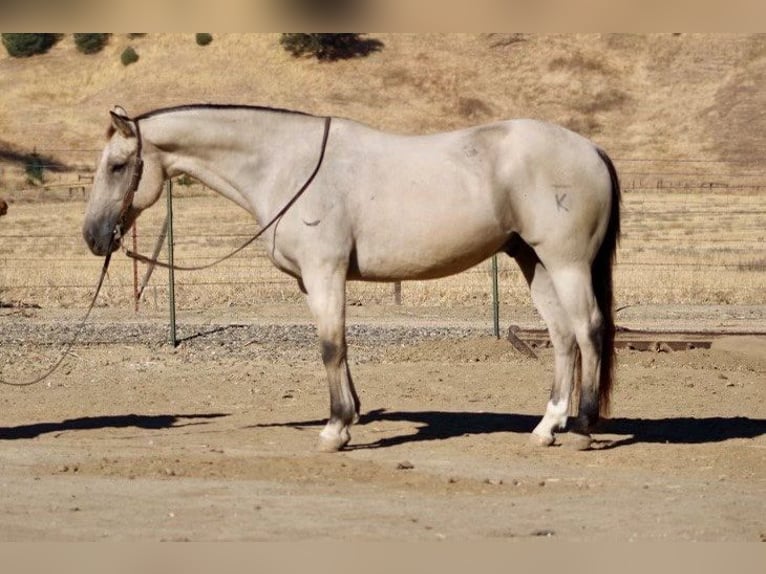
point(148, 422)
point(442, 425)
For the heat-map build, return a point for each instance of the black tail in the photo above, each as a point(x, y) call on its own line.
point(601, 274)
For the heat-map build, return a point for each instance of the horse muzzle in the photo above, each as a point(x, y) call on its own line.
point(101, 239)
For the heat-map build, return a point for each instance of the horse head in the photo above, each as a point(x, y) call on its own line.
point(128, 179)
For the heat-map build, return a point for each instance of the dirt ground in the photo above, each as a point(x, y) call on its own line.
point(215, 439)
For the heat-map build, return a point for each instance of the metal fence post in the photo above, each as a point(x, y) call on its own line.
point(136, 294)
point(495, 299)
point(171, 274)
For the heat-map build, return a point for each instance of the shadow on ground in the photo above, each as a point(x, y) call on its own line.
point(149, 422)
point(440, 425)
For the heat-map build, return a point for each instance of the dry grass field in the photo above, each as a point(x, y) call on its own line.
point(659, 96)
point(676, 249)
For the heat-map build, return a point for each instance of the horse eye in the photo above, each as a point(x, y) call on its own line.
point(118, 167)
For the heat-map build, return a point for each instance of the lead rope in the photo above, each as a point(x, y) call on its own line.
point(71, 343)
point(275, 219)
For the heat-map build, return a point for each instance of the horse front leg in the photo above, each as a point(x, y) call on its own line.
point(326, 295)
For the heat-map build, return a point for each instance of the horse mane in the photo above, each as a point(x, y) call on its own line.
point(185, 107)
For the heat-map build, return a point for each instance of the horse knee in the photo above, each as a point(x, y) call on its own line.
point(332, 353)
point(597, 325)
point(589, 331)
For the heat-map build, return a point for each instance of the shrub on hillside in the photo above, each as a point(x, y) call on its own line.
point(33, 168)
point(128, 56)
point(329, 47)
point(203, 39)
point(185, 180)
point(25, 45)
point(90, 43)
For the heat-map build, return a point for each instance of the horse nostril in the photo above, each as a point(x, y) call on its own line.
point(91, 240)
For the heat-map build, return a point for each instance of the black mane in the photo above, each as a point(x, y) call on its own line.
point(185, 107)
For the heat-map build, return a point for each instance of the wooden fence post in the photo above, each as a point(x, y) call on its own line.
point(398, 293)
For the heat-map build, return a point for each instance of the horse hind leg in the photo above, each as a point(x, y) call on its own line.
point(562, 336)
point(326, 298)
point(573, 284)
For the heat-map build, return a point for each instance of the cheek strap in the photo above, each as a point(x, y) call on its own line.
point(135, 181)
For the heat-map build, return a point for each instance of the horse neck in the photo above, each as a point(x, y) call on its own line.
point(249, 156)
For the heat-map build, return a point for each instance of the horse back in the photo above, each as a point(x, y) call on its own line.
point(429, 206)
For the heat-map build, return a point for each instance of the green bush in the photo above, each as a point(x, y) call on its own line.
point(90, 43)
point(128, 56)
point(33, 168)
point(328, 47)
point(25, 45)
point(203, 39)
point(185, 180)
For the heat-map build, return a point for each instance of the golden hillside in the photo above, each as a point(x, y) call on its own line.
point(639, 96)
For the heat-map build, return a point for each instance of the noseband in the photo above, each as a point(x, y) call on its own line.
point(135, 180)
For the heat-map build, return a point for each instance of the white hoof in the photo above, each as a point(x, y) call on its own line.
point(540, 440)
point(333, 442)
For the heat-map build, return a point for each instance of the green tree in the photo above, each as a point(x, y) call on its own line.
point(328, 47)
point(90, 43)
point(25, 45)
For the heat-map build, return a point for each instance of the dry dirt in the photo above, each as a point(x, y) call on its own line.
point(215, 439)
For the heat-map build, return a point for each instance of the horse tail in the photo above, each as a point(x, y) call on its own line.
point(601, 273)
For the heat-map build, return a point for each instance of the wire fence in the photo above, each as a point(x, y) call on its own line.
point(694, 231)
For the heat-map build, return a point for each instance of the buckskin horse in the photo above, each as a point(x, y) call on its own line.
point(343, 201)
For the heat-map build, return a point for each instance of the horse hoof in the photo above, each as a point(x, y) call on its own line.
point(580, 441)
point(333, 443)
point(540, 440)
point(328, 446)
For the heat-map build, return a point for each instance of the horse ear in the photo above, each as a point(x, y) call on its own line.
point(122, 123)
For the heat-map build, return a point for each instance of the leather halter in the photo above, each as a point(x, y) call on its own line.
point(135, 181)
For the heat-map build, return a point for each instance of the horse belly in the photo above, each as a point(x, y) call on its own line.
point(423, 207)
point(407, 246)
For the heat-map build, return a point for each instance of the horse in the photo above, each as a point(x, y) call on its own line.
point(378, 206)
